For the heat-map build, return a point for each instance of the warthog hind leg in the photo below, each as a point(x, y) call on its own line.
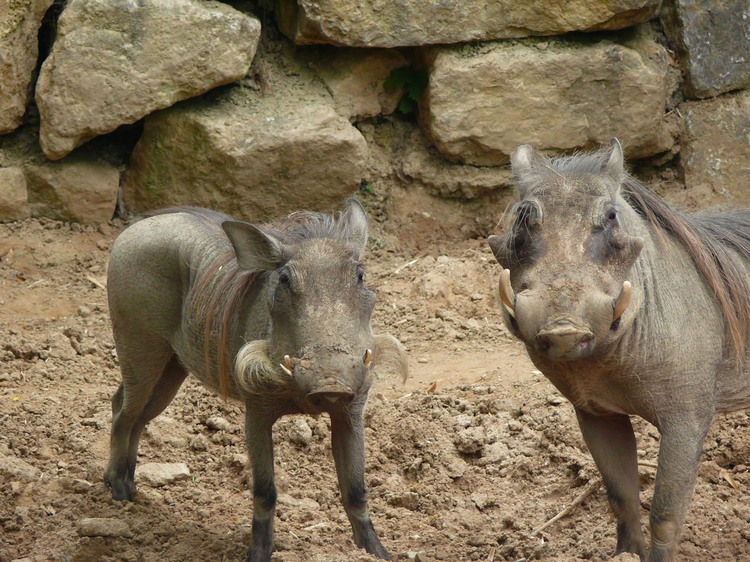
point(140, 398)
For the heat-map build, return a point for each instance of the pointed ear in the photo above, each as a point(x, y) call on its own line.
point(255, 249)
point(521, 160)
point(354, 220)
point(615, 167)
point(504, 255)
point(497, 247)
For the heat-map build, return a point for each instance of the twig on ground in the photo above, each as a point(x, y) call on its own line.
point(96, 282)
point(590, 489)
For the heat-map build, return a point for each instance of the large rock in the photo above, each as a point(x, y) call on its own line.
point(19, 25)
point(356, 79)
point(713, 38)
point(115, 61)
point(250, 156)
point(383, 23)
point(482, 101)
point(14, 200)
point(78, 190)
point(715, 155)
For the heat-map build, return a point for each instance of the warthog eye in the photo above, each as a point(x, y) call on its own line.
point(360, 274)
point(283, 276)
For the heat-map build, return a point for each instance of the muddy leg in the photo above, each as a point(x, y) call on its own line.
point(679, 456)
point(139, 380)
point(348, 441)
point(612, 444)
point(260, 448)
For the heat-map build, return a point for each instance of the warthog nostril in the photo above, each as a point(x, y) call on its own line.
point(331, 394)
point(565, 341)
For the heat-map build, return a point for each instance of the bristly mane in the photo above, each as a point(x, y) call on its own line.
point(708, 237)
point(222, 285)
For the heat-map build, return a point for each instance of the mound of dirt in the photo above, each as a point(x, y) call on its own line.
point(468, 460)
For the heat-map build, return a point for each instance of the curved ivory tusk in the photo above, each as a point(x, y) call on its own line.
point(287, 365)
point(622, 302)
point(507, 297)
point(367, 359)
point(288, 362)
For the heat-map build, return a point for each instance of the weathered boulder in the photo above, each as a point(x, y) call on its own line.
point(713, 38)
point(19, 24)
point(76, 190)
point(356, 79)
point(14, 200)
point(715, 157)
point(250, 156)
point(423, 165)
point(482, 101)
point(116, 61)
point(382, 23)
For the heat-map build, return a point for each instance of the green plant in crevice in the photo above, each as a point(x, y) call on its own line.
point(413, 81)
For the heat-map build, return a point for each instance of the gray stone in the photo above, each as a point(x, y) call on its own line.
point(160, 474)
point(383, 23)
point(298, 503)
point(715, 156)
point(77, 190)
point(14, 199)
point(19, 25)
point(356, 77)
point(300, 432)
point(218, 423)
point(485, 100)
point(18, 468)
point(149, 55)
point(247, 155)
point(103, 527)
point(449, 179)
point(713, 39)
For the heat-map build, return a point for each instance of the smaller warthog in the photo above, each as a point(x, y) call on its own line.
point(275, 315)
point(629, 307)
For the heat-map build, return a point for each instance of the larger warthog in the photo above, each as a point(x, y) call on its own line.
point(275, 315)
point(629, 307)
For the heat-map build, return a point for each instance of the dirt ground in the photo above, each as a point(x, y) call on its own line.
point(465, 461)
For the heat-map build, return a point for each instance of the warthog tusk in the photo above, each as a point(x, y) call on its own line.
point(288, 362)
point(367, 359)
point(622, 302)
point(287, 365)
point(507, 297)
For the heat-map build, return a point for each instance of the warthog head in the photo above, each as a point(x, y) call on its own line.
point(566, 255)
point(320, 306)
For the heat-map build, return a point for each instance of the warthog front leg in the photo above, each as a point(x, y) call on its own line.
point(348, 441)
point(259, 439)
point(679, 456)
point(612, 444)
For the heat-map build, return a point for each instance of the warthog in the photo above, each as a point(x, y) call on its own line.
point(629, 307)
point(275, 315)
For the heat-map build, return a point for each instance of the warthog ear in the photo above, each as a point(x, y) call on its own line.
point(354, 219)
point(521, 160)
point(615, 167)
point(497, 245)
point(255, 249)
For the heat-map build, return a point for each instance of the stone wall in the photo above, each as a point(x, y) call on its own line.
point(172, 102)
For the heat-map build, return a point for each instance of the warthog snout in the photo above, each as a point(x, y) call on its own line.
point(564, 341)
point(331, 393)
